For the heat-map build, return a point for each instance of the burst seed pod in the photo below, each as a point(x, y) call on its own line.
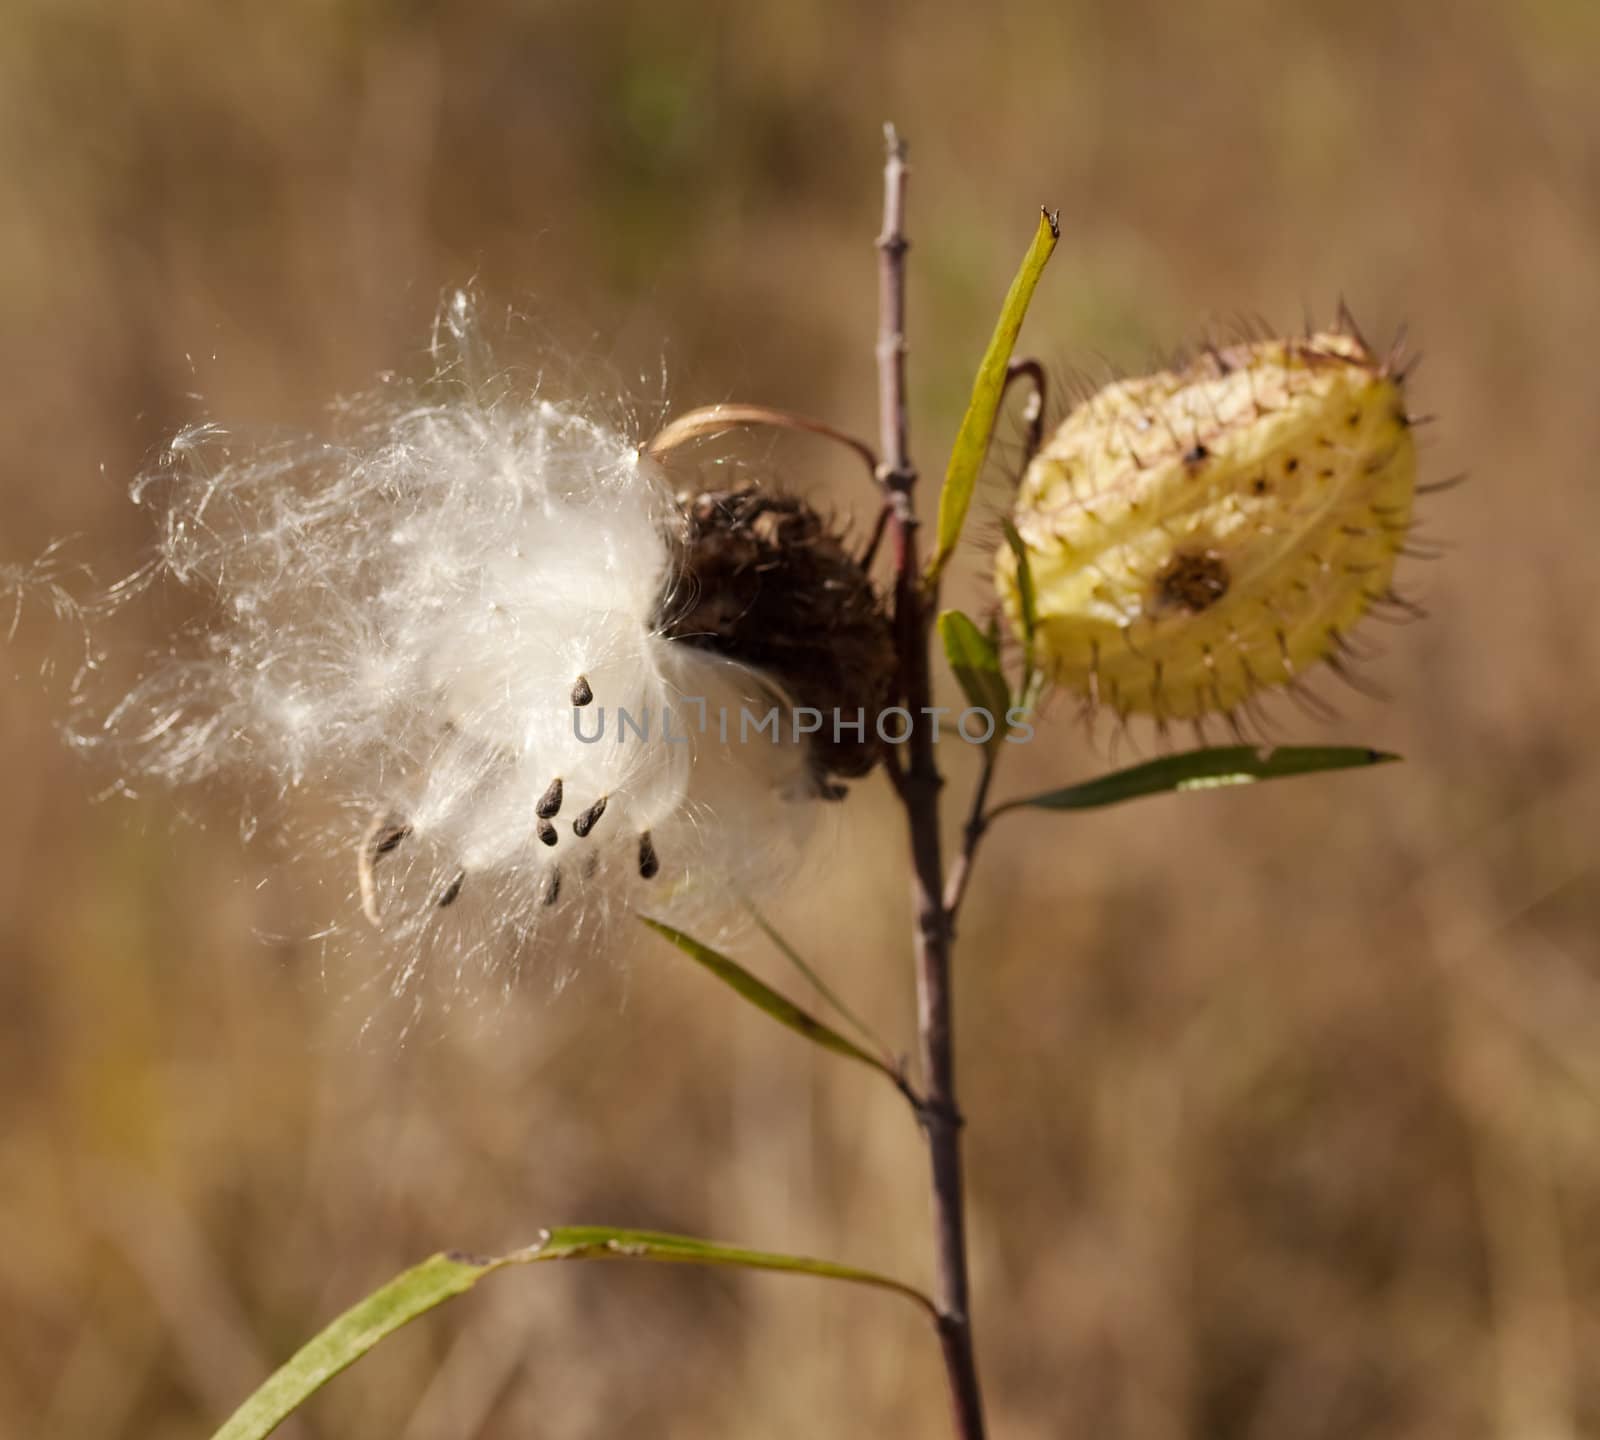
point(766, 580)
point(1197, 535)
point(463, 623)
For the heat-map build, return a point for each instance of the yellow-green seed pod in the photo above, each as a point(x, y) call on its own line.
point(1198, 535)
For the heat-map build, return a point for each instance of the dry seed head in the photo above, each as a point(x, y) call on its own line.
point(1200, 534)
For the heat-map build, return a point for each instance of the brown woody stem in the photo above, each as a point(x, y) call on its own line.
point(918, 784)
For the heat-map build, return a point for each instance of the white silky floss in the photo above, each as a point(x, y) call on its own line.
point(405, 622)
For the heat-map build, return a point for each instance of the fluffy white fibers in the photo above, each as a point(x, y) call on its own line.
point(41, 583)
point(442, 630)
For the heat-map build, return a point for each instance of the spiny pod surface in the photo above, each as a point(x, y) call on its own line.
point(1199, 535)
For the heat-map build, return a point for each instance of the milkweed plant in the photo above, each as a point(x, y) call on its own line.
point(537, 696)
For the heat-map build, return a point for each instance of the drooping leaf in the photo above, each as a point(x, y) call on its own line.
point(822, 987)
point(976, 664)
point(348, 1338)
point(977, 425)
point(603, 1242)
point(764, 997)
point(441, 1278)
point(1201, 770)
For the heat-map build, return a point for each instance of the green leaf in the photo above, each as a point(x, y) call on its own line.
point(354, 1333)
point(976, 663)
point(1029, 598)
point(1201, 770)
point(443, 1277)
point(602, 1242)
point(764, 997)
point(977, 425)
point(1025, 590)
point(828, 993)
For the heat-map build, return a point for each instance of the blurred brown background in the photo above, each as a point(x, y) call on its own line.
point(1283, 1103)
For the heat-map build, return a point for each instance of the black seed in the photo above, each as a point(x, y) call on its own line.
point(546, 832)
point(581, 693)
point(452, 891)
point(1195, 454)
point(550, 802)
point(649, 862)
point(383, 835)
point(586, 821)
point(552, 887)
point(388, 838)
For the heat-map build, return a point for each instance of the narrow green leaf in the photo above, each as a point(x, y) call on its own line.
point(1025, 591)
point(361, 1327)
point(764, 997)
point(443, 1277)
point(820, 985)
point(1201, 770)
point(977, 425)
point(976, 663)
point(1028, 695)
point(600, 1242)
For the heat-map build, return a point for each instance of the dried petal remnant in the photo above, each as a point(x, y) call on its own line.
point(1200, 534)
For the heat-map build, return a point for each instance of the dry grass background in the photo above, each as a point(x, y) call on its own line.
point(1283, 1103)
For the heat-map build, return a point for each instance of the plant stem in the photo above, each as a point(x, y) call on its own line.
point(972, 833)
point(1033, 415)
point(918, 784)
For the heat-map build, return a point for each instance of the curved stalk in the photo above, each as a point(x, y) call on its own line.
point(709, 420)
